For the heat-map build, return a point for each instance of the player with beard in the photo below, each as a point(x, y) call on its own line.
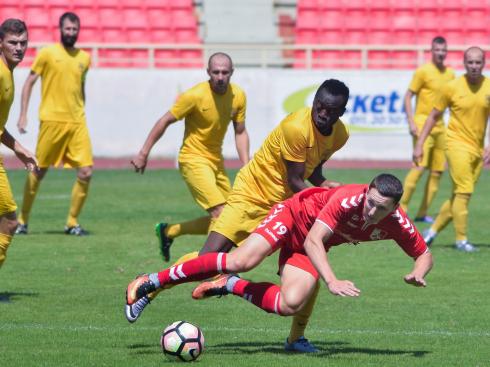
point(63, 134)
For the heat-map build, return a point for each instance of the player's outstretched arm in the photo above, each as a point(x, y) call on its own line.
point(140, 160)
point(421, 268)
point(24, 101)
point(319, 234)
point(26, 157)
point(242, 142)
point(428, 126)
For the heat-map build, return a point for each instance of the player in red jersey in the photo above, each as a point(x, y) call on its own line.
point(304, 228)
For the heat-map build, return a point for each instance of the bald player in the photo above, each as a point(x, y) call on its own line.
point(426, 83)
point(207, 108)
point(468, 99)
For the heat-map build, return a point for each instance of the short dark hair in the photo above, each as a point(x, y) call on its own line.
point(334, 87)
point(388, 186)
point(439, 40)
point(72, 17)
point(12, 26)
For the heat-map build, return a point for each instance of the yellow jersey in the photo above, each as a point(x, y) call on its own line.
point(426, 84)
point(207, 116)
point(263, 180)
point(6, 94)
point(62, 74)
point(470, 106)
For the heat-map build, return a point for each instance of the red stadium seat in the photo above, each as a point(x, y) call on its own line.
point(159, 18)
point(10, 11)
point(111, 18)
point(181, 4)
point(380, 19)
point(330, 19)
point(89, 35)
point(478, 37)
point(355, 36)
point(308, 5)
point(135, 19)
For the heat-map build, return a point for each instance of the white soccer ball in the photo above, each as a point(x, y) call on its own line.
point(182, 341)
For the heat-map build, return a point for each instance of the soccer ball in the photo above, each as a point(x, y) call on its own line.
point(182, 341)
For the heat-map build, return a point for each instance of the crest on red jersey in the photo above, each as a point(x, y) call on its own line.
point(378, 234)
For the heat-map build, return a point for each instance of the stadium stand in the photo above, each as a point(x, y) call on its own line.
point(118, 28)
point(388, 24)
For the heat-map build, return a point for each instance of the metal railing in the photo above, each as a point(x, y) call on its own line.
point(307, 56)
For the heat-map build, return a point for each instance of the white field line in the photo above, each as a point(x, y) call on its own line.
point(90, 328)
point(47, 197)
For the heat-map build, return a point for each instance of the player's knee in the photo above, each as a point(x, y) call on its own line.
point(85, 173)
point(238, 264)
point(12, 226)
point(291, 303)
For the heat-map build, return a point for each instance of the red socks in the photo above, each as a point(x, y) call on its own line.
point(200, 268)
point(266, 296)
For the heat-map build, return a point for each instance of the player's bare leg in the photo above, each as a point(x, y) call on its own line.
point(298, 288)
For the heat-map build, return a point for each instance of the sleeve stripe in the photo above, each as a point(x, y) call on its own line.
point(325, 224)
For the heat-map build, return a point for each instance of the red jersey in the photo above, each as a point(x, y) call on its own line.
point(340, 209)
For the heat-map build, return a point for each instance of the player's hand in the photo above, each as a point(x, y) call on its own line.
point(28, 159)
point(486, 155)
point(22, 124)
point(343, 288)
point(413, 130)
point(417, 155)
point(331, 184)
point(139, 162)
point(415, 280)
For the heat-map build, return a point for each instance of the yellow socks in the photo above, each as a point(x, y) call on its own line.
point(78, 196)
point(460, 215)
point(30, 190)
point(430, 191)
point(445, 216)
point(196, 226)
point(301, 318)
point(409, 186)
point(5, 240)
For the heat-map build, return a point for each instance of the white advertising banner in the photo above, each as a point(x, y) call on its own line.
point(123, 105)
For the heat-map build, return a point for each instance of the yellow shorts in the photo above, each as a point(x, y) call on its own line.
point(434, 147)
point(64, 142)
point(465, 169)
point(239, 218)
point(7, 202)
point(207, 182)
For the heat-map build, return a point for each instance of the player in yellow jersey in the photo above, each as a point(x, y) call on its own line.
point(208, 108)
point(293, 152)
point(13, 45)
point(63, 134)
point(426, 83)
point(468, 99)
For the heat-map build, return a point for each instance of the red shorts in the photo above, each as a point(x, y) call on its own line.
point(278, 230)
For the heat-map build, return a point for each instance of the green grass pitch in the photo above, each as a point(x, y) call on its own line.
point(61, 298)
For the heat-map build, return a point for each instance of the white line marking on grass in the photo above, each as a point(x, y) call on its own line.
point(47, 197)
point(429, 333)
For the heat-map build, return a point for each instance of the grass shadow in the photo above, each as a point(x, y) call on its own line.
point(143, 349)
point(326, 349)
point(8, 297)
